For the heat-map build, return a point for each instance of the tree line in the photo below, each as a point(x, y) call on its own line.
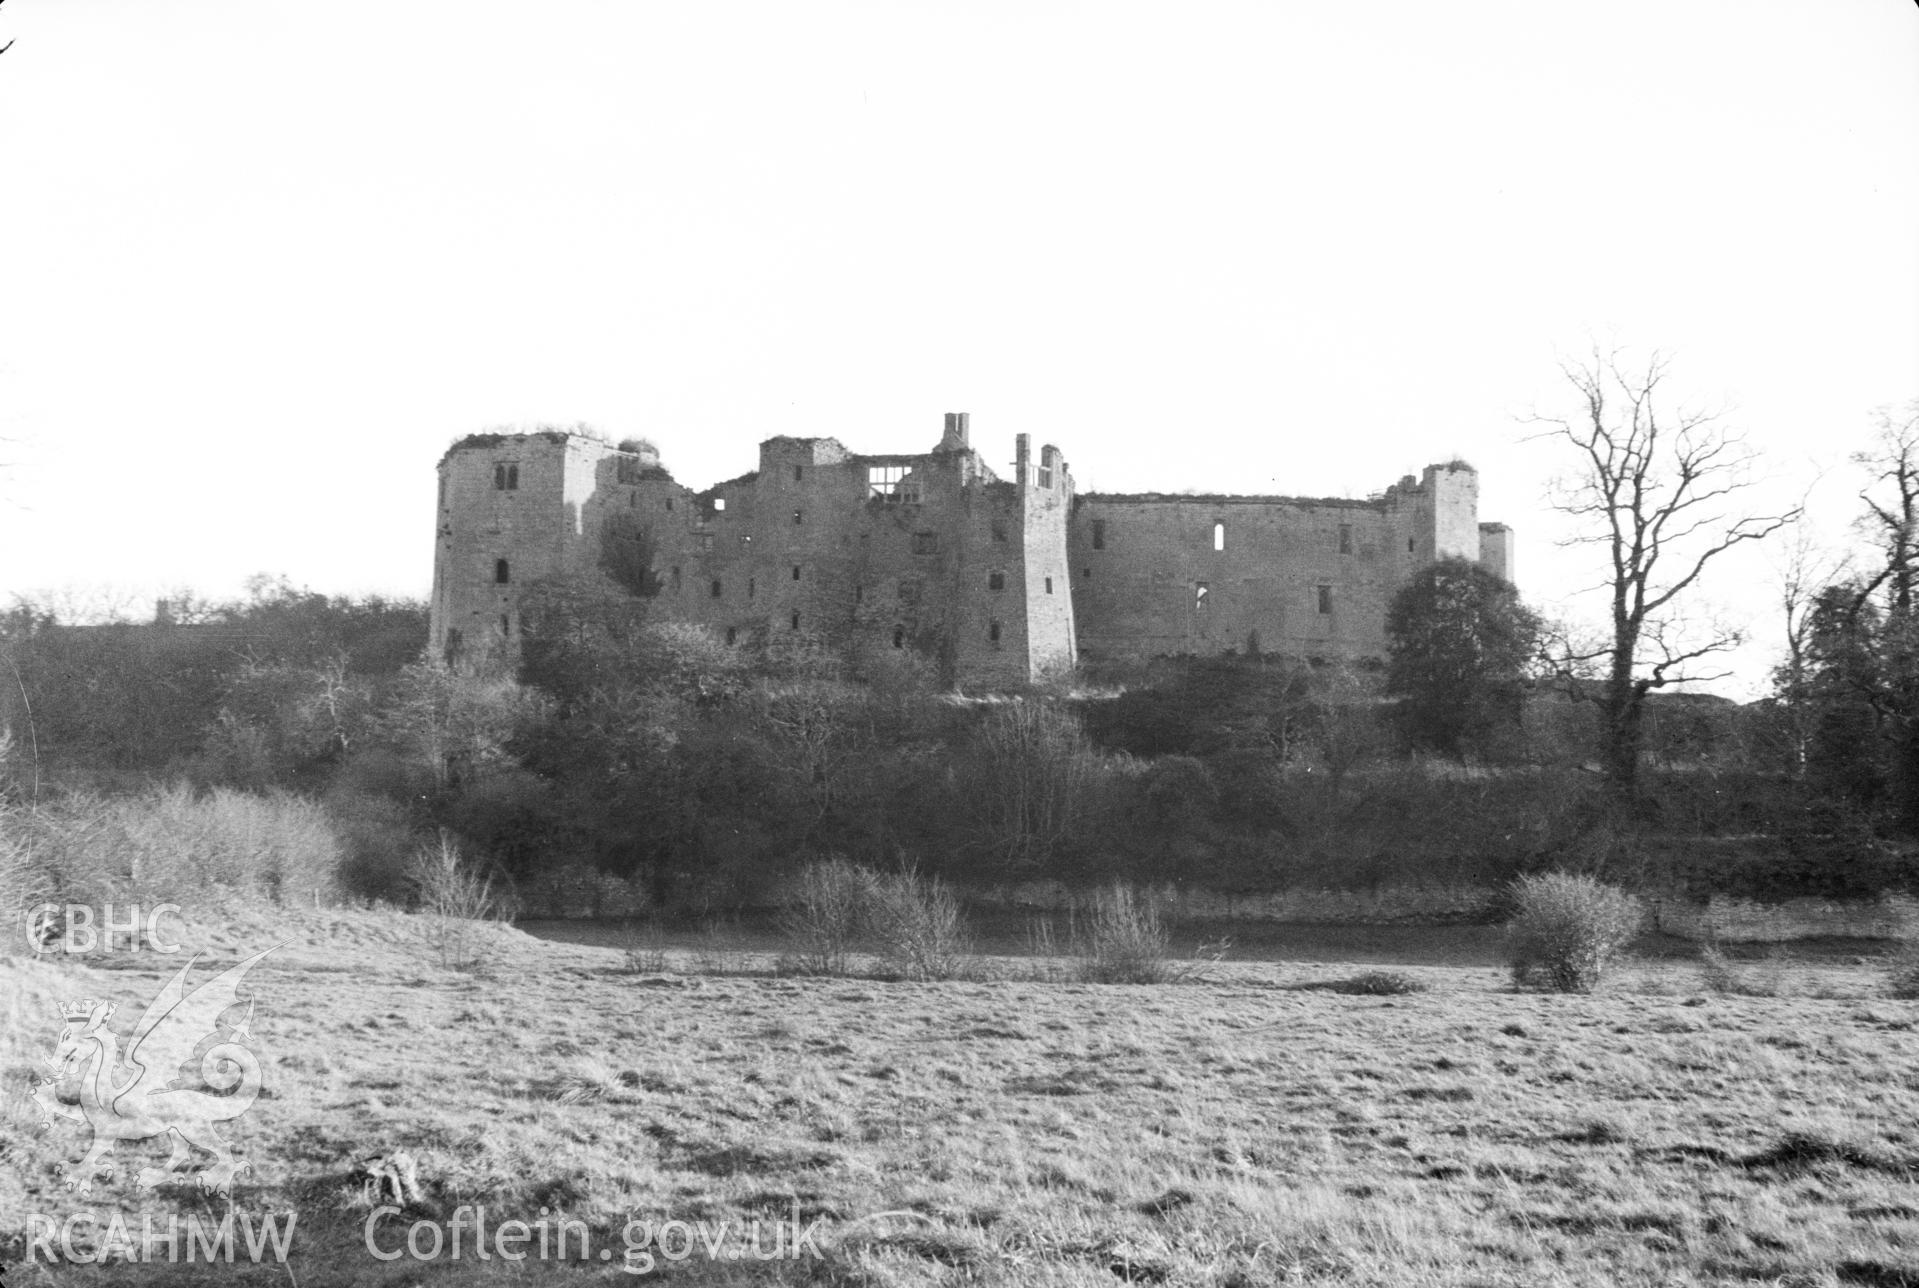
point(1488, 743)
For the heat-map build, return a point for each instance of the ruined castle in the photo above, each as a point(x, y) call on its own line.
point(997, 580)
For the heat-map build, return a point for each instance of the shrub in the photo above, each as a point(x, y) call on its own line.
point(718, 950)
point(826, 915)
point(1380, 983)
point(20, 884)
point(918, 927)
point(1567, 930)
point(1902, 970)
point(172, 843)
point(1123, 940)
point(379, 839)
point(1721, 974)
point(453, 895)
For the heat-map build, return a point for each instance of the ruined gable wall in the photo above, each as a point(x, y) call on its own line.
point(1138, 590)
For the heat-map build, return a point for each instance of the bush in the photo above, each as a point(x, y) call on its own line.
point(1719, 973)
point(172, 843)
point(918, 927)
point(1380, 983)
point(1123, 940)
point(379, 838)
point(453, 895)
point(20, 884)
point(578, 890)
point(1902, 971)
point(826, 915)
point(1567, 931)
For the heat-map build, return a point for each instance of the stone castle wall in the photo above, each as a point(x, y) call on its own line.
point(995, 582)
point(1306, 577)
point(927, 553)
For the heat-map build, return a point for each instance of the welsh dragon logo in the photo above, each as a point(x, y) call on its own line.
point(134, 1097)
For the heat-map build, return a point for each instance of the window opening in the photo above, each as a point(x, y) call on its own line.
point(883, 481)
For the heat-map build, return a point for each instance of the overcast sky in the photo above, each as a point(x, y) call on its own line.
point(264, 260)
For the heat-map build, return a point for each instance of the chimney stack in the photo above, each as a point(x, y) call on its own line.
point(1022, 458)
point(957, 432)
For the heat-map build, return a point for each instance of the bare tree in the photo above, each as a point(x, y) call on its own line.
point(1892, 509)
point(1888, 592)
point(1805, 570)
point(1656, 487)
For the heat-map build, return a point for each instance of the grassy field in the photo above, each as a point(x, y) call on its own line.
point(1257, 1126)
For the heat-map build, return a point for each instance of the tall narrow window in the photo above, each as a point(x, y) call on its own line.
point(1345, 538)
point(797, 517)
point(1201, 594)
point(796, 621)
point(506, 477)
point(796, 572)
point(752, 584)
point(899, 637)
point(506, 625)
point(676, 576)
point(1099, 534)
point(1325, 599)
point(996, 581)
point(718, 589)
point(1049, 585)
point(796, 473)
point(1409, 545)
point(859, 594)
point(502, 572)
point(732, 634)
point(992, 632)
point(1219, 536)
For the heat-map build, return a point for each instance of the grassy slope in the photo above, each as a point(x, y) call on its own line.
point(1252, 1129)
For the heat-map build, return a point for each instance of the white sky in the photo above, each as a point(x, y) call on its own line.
point(264, 260)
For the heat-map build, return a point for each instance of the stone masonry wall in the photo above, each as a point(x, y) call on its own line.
point(995, 582)
point(801, 548)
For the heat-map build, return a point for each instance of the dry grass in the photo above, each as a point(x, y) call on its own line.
point(1260, 1127)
